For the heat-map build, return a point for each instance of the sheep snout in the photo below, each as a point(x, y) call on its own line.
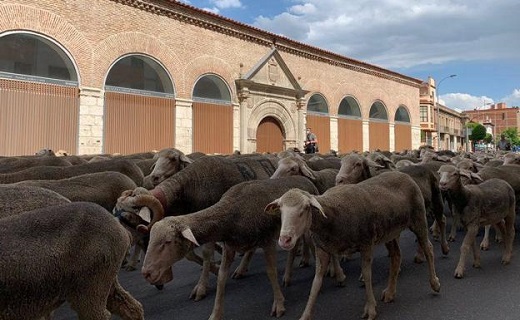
point(286, 242)
point(157, 277)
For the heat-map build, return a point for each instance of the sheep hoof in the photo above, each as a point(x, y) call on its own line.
point(130, 268)
point(476, 265)
point(238, 275)
point(459, 274)
point(304, 264)
point(445, 249)
point(278, 309)
point(435, 284)
point(506, 261)
point(387, 296)
point(451, 239)
point(198, 293)
point(418, 259)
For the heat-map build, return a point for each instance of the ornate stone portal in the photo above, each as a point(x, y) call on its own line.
point(269, 89)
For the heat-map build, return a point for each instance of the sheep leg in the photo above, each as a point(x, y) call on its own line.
point(287, 276)
point(395, 264)
point(134, 258)
point(121, 303)
point(499, 231)
point(366, 270)
point(242, 268)
point(509, 235)
point(469, 238)
point(484, 245)
point(192, 256)
point(92, 308)
point(307, 249)
point(228, 255)
point(455, 222)
point(278, 308)
point(322, 263)
point(420, 228)
point(476, 255)
point(199, 291)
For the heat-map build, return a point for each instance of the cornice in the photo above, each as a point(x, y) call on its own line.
point(207, 20)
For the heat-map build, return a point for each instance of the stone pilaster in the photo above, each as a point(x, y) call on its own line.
point(91, 111)
point(243, 98)
point(300, 134)
point(391, 136)
point(236, 127)
point(334, 140)
point(184, 125)
point(416, 137)
point(366, 135)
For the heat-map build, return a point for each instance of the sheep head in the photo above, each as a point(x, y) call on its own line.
point(168, 162)
point(355, 168)
point(296, 208)
point(170, 241)
point(293, 166)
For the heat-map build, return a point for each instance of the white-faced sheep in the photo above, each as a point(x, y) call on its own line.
point(355, 218)
point(237, 221)
point(491, 202)
point(72, 253)
point(168, 162)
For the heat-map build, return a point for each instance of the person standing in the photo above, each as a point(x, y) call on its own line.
point(310, 142)
point(503, 144)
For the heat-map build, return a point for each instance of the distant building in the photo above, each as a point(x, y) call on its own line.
point(498, 117)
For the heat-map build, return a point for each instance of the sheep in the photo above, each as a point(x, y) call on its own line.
point(491, 202)
point(17, 199)
point(126, 167)
point(356, 168)
point(319, 164)
point(352, 218)
point(71, 252)
point(290, 166)
point(168, 162)
point(238, 221)
point(15, 164)
point(103, 188)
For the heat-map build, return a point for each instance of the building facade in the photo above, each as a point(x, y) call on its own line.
point(497, 118)
point(441, 127)
point(126, 76)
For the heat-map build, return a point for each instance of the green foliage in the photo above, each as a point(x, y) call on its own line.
point(488, 138)
point(478, 133)
point(511, 135)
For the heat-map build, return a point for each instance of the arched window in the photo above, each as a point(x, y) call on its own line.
point(141, 73)
point(317, 104)
point(402, 115)
point(35, 56)
point(349, 107)
point(378, 111)
point(211, 88)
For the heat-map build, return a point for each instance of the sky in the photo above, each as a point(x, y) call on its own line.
point(476, 40)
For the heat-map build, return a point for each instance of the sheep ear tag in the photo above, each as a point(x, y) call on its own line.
point(272, 208)
point(186, 233)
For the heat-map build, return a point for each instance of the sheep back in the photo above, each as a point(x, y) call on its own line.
point(102, 188)
point(57, 253)
point(17, 199)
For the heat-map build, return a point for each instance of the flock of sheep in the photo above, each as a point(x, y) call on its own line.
point(68, 224)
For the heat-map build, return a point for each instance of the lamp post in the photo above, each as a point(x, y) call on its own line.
point(438, 109)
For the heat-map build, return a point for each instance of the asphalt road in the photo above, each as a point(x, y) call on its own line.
point(492, 292)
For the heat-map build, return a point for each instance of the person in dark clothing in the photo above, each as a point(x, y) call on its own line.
point(310, 142)
point(503, 144)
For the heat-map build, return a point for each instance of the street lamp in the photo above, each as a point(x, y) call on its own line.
point(438, 110)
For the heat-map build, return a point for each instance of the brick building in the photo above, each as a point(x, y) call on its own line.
point(126, 76)
point(498, 117)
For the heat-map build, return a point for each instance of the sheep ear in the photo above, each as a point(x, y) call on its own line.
point(142, 229)
point(465, 173)
point(273, 207)
point(317, 205)
point(185, 159)
point(306, 171)
point(374, 164)
point(476, 176)
point(145, 214)
point(188, 234)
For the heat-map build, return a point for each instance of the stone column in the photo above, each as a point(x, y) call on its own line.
point(391, 136)
point(91, 111)
point(184, 125)
point(243, 99)
point(366, 135)
point(236, 127)
point(334, 140)
point(300, 134)
point(416, 137)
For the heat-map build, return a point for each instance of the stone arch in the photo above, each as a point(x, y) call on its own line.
point(112, 48)
point(216, 86)
point(52, 26)
point(206, 65)
point(348, 108)
point(275, 109)
point(378, 103)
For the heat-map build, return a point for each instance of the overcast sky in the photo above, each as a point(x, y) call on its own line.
point(478, 40)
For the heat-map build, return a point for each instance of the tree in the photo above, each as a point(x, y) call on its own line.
point(478, 132)
point(511, 135)
point(488, 138)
